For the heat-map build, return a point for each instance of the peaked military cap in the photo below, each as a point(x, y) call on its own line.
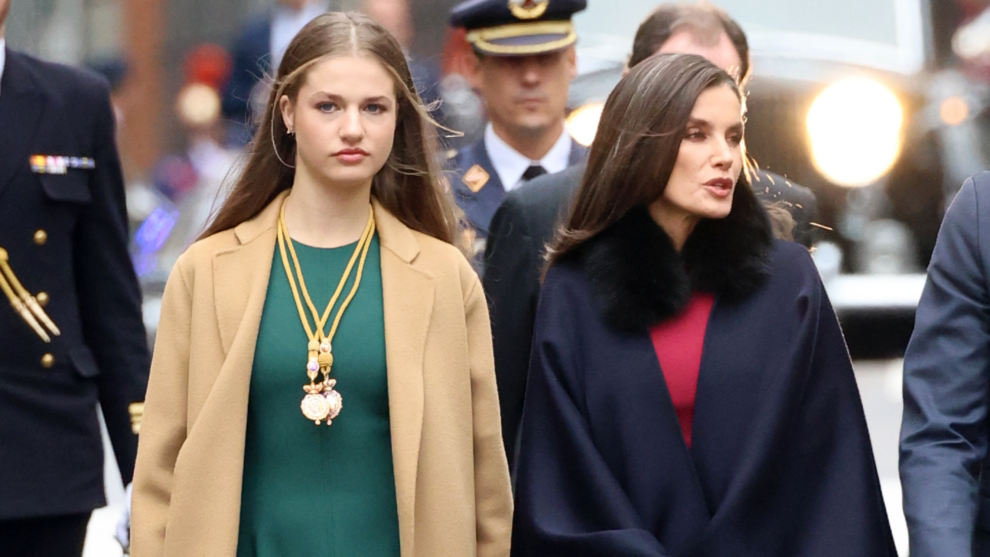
point(517, 27)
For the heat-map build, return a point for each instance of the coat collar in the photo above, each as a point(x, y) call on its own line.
point(241, 276)
point(393, 235)
point(640, 280)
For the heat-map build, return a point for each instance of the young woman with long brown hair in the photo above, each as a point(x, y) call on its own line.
point(690, 393)
point(322, 381)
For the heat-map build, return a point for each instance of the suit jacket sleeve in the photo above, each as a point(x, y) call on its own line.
point(511, 282)
point(946, 382)
point(493, 495)
point(164, 430)
point(568, 502)
point(109, 295)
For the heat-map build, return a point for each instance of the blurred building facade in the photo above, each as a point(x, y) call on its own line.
point(152, 38)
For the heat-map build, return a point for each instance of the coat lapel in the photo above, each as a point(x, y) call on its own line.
point(240, 282)
point(408, 304)
point(21, 107)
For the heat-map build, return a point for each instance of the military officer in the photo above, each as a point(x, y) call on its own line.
point(70, 307)
point(526, 61)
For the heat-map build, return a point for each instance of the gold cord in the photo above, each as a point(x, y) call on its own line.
point(320, 321)
point(23, 302)
point(357, 281)
point(322, 401)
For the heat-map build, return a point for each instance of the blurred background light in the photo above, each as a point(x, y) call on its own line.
point(854, 127)
point(582, 123)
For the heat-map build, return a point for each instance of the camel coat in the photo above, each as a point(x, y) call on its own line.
point(451, 476)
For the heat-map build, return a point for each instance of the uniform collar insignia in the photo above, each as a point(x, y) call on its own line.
point(528, 9)
point(475, 178)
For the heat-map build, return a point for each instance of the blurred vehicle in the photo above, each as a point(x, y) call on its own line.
point(845, 98)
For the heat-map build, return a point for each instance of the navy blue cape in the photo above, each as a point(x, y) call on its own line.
point(780, 463)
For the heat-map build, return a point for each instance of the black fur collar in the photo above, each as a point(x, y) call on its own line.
point(639, 279)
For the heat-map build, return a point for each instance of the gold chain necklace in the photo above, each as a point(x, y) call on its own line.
point(322, 401)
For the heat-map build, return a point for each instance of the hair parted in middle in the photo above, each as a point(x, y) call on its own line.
point(639, 138)
point(409, 186)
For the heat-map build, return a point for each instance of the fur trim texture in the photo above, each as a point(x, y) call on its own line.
point(640, 280)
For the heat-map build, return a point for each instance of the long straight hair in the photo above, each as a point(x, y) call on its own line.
point(409, 184)
point(638, 140)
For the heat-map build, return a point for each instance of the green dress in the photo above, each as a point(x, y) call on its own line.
point(315, 490)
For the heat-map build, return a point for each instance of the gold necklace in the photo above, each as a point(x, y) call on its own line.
point(322, 401)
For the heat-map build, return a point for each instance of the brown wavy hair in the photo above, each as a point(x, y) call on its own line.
point(408, 186)
point(638, 140)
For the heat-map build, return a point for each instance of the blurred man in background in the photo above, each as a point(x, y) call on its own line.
point(526, 63)
point(394, 15)
point(257, 53)
point(72, 332)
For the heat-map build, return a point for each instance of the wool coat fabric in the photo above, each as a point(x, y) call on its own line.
point(451, 476)
point(780, 461)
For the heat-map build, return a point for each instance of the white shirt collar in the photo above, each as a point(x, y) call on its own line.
point(286, 23)
point(3, 56)
point(511, 164)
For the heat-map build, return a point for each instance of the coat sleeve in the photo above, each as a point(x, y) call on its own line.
point(946, 382)
point(511, 286)
point(568, 501)
point(109, 295)
point(164, 428)
point(493, 496)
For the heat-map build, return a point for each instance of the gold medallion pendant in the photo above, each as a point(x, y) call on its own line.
point(322, 401)
point(334, 400)
point(316, 407)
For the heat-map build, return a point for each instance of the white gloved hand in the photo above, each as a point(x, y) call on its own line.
point(123, 533)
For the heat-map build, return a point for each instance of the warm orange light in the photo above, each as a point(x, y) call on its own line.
point(954, 111)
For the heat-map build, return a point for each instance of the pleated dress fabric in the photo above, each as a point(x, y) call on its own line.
point(318, 490)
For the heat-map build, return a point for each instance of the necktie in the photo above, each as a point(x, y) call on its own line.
point(532, 172)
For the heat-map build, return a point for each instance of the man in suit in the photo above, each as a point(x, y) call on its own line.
point(258, 52)
point(527, 219)
point(526, 61)
point(944, 468)
point(72, 334)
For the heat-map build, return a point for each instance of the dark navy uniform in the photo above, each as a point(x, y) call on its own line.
point(504, 28)
point(477, 187)
point(63, 228)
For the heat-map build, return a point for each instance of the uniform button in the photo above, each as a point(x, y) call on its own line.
point(47, 361)
point(42, 298)
point(40, 237)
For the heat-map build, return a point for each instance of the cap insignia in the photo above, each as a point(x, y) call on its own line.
point(528, 9)
point(475, 178)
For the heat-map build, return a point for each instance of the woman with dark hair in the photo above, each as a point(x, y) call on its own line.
point(327, 293)
point(690, 393)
